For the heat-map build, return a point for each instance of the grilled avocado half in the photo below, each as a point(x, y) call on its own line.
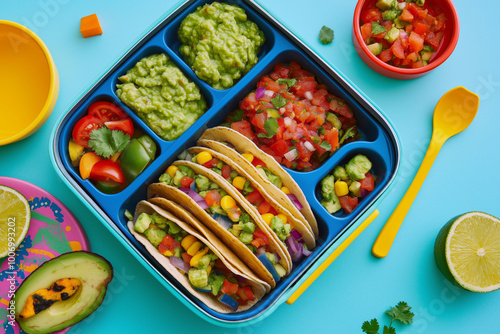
point(93, 271)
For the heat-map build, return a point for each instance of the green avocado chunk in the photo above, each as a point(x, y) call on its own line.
point(92, 270)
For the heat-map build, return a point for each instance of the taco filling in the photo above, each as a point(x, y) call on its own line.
point(206, 272)
point(223, 208)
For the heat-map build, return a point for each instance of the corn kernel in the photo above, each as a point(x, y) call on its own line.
point(209, 269)
point(227, 202)
point(285, 190)
point(203, 157)
point(341, 188)
point(194, 248)
point(283, 218)
point(267, 218)
point(197, 257)
point(171, 170)
point(248, 156)
point(168, 253)
point(188, 241)
point(239, 182)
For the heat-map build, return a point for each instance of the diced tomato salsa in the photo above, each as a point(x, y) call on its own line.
point(403, 34)
point(294, 118)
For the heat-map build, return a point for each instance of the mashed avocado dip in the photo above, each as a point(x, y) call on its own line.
point(220, 43)
point(162, 96)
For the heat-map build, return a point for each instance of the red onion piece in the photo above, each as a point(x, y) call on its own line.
point(269, 93)
point(309, 146)
point(193, 194)
point(287, 120)
point(291, 155)
point(295, 201)
point(294, 249)
point(278, 258)
point(203, 204)
point(179, 264)
point(296, 234)
point(403, 34)
point(305, 251)
point(364, 192)
point(260, 92)
point(308, 95)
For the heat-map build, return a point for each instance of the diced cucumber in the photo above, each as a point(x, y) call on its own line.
point(375, 48)
point(426, 55)
point(385, 4)
point(332, 118)
point(401, 24)
point(392, 35)
point(273, 113)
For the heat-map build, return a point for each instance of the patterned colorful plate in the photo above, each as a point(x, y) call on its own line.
point(53, 231)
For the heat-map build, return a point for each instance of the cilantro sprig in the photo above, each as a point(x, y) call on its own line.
point(271, 127)
point(106, 142)
point(377, 28)
point(401, 312)
point(326, 35)
point(289, 82)
point(278, 101)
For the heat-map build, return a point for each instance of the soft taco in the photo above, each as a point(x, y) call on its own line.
point(270, 210)
point(263, 168)
point(194, 261)
point(187, 217)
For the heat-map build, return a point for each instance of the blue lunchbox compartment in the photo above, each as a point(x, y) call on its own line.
point(379, 142)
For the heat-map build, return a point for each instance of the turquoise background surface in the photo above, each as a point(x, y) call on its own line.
point(357, 286)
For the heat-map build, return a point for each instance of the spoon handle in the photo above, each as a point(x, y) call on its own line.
point(386, 237)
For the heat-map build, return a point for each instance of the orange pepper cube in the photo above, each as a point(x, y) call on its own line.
point(90, 26)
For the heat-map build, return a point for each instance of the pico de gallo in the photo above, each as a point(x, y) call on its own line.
point(347, 185)
point(107, 149)
point(205, 271)
point(224, 209)
point(403, 33)
point(294, 118)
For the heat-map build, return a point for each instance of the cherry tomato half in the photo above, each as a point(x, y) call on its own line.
point(106, 111)
point(123, 125)
point(83, 128)
point(107, 170)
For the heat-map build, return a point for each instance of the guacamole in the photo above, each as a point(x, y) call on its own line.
point(220, 43)
point(162, 96)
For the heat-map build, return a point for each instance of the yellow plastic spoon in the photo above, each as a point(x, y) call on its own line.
point(454, 112)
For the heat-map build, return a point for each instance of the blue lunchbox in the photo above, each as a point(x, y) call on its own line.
point(379, 142)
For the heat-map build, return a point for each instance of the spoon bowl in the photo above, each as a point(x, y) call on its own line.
point(454, 112)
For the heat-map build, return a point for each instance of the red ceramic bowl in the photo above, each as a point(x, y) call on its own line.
point(448, 43)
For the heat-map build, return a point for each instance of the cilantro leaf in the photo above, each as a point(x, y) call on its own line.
point(326, 145)
point(316, 140)
point(321, 130)
point(350, 133)
point(326, 35)
point(370, 327)
point(278, 101)
point(290, 82)
point(377, 28)
point(106, 142)
point(402, 313)
point(389, 330)
point(271, 127)
point(236, 116)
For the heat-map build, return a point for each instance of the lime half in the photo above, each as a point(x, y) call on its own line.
point(15, 218)
point(467, 251)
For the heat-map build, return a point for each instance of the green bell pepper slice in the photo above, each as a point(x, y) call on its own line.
point(136, 156)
